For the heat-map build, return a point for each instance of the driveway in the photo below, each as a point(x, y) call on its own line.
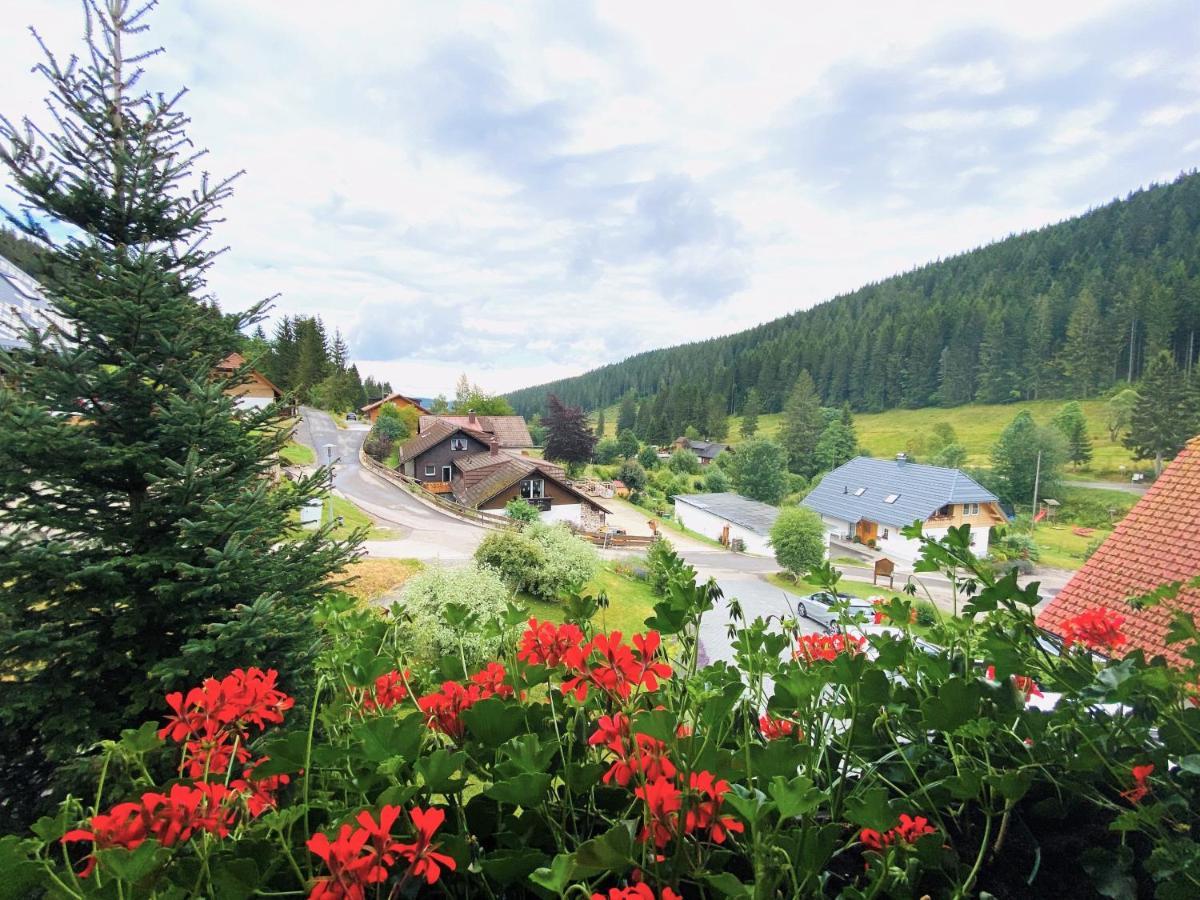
point(426, 533)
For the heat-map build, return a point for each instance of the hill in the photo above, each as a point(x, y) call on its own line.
point(1066, 310)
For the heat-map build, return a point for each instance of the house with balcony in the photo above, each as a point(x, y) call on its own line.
point(464, 458)
point(867, 501)
point(370, 412)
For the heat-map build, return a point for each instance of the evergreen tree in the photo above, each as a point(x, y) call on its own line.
point(627, 444)
point(718, 419)
point(143, 547)
point(281, 365)
point(997, 380)
point(837, 445)
point(1015, 464)
point(339, 352)
point(600, 423)
point(1163, 419)
point(312, 357)
point(750, 410)
point(803, 423)
point(1074, 427)
point(1085, 356)
point(627, 413)
point(568, 438)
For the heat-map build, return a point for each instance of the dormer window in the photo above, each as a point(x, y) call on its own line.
point(891, 498)
point(533, 489)
point(458, 443)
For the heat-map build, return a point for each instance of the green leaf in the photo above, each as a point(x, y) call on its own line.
point(775, 758)
point(234, 879)
point(1110, 869)
point(509, 866)
point(557, 877)
point(384, 737)
point(1012, 786)
point(955, 704)
point(436, 768)
point(527, 753)
point(727, 884)
point(287, 754)
point(611, 852)
point(141, 740)
point(657, 723)
point(51, 828)
point(526, 789)
point(582, 777)
point(870, 809)
point(134, 865)
point(797, 797)
point(493, 721)
point(20, 874)
point(1190, 763)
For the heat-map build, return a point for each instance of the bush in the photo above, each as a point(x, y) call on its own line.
point(661, 564)
point(424, 600)
point(520, 511)
point(648, 457)
point(544, 560)
point(632, 473)
point(1010, 545)
point(927, 614)
point(607, 451)
point(716, 481)
point(684, 462)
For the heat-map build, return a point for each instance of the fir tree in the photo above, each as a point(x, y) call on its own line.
point(627, 413)
point(1163, 419)
point(600, 423)
point(339, 352)
point(1015, 463)
point(1073, 424)
point(568, 438)
point(143, 547)
point(718, 419)
point(1085, 356)
point(803, 423)
point(750, 410)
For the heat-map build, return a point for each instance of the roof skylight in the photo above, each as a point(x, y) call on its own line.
point(891, 498)
point(860, 492)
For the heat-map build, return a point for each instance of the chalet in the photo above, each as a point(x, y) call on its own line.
point(1157, 543)
point(706, 451)
point(400, 401)
point(510, 432)
point(255, 390)
point(728, 517)
point(473, 467)
point(869, 500)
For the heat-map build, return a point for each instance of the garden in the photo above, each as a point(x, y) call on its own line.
point(499, 755)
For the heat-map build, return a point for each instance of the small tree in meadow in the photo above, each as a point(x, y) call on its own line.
point(798, 538)
point(684, 462)
point(648, 457)
point(1073, 424)
point(633, 474)
point(627, 444)
point(759, 470)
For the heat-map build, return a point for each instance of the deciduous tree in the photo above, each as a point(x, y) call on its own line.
point(759, 470)
point(568, 438)
point(798, 539)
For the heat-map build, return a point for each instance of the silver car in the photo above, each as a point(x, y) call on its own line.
point(820, 608)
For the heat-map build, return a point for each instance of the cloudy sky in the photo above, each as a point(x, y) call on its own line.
point(523, 191)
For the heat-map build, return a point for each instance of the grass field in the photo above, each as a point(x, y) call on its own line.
point(630, 602)
point(1060, 547)
point(803, 587)
point(297, 454)
point(375, 576)
point(977, 425)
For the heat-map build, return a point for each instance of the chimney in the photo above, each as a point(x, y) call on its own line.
point(471, 417)
point(901, 457)
point(494, 446)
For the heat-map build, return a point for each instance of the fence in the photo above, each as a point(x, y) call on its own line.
point(399, 479)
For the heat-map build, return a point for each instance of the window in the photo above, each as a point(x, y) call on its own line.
point(533, 489)
point(970, 509)
point(430, 471)
point(458, 443)
point(860, 492)
point(891, 498)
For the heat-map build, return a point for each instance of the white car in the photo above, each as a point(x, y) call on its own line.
point(825, 608)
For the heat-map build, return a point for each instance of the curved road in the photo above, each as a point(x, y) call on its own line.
point(425, 533)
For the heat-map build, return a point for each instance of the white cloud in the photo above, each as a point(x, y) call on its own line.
point(526, 191)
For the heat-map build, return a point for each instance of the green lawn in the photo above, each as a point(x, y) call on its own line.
point(353, 517)
point(630, 602)
point(1060, 547)
point(297, 454)
point(804, 587)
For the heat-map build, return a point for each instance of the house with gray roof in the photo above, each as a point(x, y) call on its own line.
point(869, 500)
point(728, 517)
point(22, 306)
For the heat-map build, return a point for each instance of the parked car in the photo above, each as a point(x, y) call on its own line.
point(820, 607)
point(351, 417)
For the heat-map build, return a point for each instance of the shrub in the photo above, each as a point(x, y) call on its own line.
point(423, 603)
point(632, 473)
point(1092, 547)
point(716, 481)
point(648, 457)
point(520, 511)
point(661, 564)
point(544, 560)
point(684, 462)
point(927, 614)
point(1010, 545)
point(607, 451)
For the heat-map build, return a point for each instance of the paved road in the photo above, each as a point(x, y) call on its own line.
point(425, 533)
point(1127, 486)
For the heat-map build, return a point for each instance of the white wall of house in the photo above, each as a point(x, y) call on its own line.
point(892, 544)
point(711, 525)
point(246, 402)
point(572, 513)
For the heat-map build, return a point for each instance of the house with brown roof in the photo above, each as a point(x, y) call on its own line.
point(455, 456)
point(255, 390)
point(400, 401)
point(1156, 544)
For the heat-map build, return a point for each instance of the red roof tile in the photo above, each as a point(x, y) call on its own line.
point(1157, 543)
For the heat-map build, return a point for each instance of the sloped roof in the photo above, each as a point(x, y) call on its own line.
point(758, 517)
point(1157, 543)
point(390, 397)
point(706, 449)
point(431, 437)
point(235, 361)
point(919, 491)
point(485, 475)
point(511, 431)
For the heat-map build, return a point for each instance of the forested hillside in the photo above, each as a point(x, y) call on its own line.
point(1063, 311)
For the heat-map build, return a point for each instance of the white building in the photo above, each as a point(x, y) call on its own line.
point(728, 517)
point(22, 306)
point(867, 501)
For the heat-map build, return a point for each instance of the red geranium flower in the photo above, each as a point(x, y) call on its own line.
point(1097, 629)
point(705, 810)
point(424, 861)
point(1140, 789)
point(389, 690)
point(827, 647)
point(545, 643)
point(773, 729)
point(663, 800)
point(444, 708)
point(619, 668)
point(350, 868)
point(639, 891)
point(491, 682)
point(907, 832)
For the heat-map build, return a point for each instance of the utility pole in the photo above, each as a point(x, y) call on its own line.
point(1037, 478)
point(329, 448)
